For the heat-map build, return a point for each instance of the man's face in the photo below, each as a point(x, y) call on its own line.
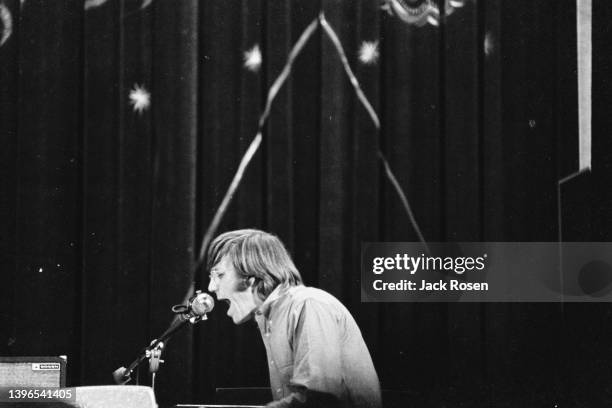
point(225, 282)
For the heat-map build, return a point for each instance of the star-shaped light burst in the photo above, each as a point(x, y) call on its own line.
point(368, 52)
point(252, 59)
point(140, 98)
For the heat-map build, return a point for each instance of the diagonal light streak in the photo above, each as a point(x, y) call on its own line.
point(248, 155)
point(368, 106)
point(254, 146)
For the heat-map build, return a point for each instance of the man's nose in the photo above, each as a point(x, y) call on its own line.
point(212, 286)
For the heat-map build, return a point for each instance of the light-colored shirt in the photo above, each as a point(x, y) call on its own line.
point(315, 349)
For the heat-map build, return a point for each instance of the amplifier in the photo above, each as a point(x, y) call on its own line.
point(33, 371)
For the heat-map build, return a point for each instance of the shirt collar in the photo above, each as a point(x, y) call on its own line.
point(279, 292)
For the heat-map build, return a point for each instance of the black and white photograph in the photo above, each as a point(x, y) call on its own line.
point(306, 203)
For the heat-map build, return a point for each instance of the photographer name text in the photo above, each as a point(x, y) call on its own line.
point(426, 286)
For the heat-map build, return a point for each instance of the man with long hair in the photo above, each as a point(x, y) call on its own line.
point(316, 354)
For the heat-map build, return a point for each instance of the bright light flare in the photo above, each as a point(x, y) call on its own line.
point(252, 59)
point(140, 98)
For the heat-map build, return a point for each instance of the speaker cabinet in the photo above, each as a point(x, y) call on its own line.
point(32, 371)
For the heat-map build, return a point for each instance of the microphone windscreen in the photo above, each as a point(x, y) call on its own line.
point(202, 304)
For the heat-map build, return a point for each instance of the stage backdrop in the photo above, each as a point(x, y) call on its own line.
point(104, 206)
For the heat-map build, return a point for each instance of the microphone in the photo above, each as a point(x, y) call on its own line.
point(200, 304)
point(196, 308)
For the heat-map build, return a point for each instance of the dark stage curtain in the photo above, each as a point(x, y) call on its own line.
point(104, 207)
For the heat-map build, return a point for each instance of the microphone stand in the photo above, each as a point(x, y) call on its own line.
point(122, 375)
